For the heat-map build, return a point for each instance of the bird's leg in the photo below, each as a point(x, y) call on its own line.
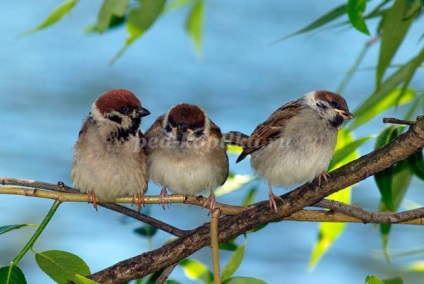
point(162, 196)
point(92, 198)
point(211, 201)
point(140, 201)
point(272, 196)
point(324, 175)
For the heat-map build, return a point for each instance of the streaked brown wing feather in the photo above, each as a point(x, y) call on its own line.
point(271, 129)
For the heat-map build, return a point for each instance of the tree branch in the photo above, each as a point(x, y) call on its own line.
point(232, 226)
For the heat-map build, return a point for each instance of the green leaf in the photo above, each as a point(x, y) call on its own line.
point(394, 29)
point(54, 17)
point(346, 151)
point(234, 262)
point(229, 246)
point(250, 196)
point(372, 279)
point(243, 280)
point(196, 270)
point(140, 19)
point(384, 179)
point(194, 24)
point(391, 99)
point(83, 280)
point(109, 10)
point(177, 4)
point(62, 266)
point(12, 276)
point(386, 89)
point(146, 231)
point(355, 9)
point(321, 21)
point(417, 164)
point(392, 182)
point(6, 229)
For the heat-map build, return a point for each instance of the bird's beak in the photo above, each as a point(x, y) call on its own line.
point(345, 114)
point(182, 133)
point(142, 112)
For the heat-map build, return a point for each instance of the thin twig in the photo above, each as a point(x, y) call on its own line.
point(398, 121)
point(371, 217)
point(214, 246)
point(165, 273)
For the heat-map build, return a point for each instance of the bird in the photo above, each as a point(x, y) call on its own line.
point(109, 156)
point(296, 142)
point(186, 153)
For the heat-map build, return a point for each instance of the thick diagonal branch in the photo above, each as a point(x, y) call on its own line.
point(232, 226)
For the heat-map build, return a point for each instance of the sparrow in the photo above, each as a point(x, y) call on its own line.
point(186, 153)
point(296, 143)
point(109, 156)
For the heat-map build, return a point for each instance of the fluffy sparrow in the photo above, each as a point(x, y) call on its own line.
point(186, 153)
point(296, 143)
point(109, 156)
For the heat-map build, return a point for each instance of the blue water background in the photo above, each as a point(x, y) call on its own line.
point(50, 79)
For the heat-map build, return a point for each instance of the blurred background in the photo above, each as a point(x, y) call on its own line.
point(50, 79)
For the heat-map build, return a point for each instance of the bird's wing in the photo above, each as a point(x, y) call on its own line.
point(271, 129)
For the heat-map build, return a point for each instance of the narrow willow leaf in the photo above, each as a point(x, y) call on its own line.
point(328, 232)
point(109, 10)
point(384, 179)
point(15, 276)
point(54, 17)
point(372, 279)
point(387, 87)
point(62, 266)
point(393, 183)
point(177, 4)
point(79, 279)
point(194, 24)
point(394, 98)
point(349, 148)
point(244, 280)
point(233, 183)
point(6, 229)
point(250, 196)
point(234, 262)
point(417, 164)
point(321, 21)
point(394, 29)
point(196, 270)
point(140, 19)
point(355, 9)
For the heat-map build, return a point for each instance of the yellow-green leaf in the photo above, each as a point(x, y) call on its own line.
point(243, 280)
point(328, 232)
point(355, 9)
point(372, 279)
point(194, 24)
point(196, 270)
point(140, 19)
point(394, 29)
point(54, 17)
point(177, 4)
point(234, 262)
point(391, 99)
point(109, 9)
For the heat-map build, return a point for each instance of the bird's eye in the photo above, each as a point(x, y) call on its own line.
point(335, 104)
point(168, 128)
point(125, 110)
